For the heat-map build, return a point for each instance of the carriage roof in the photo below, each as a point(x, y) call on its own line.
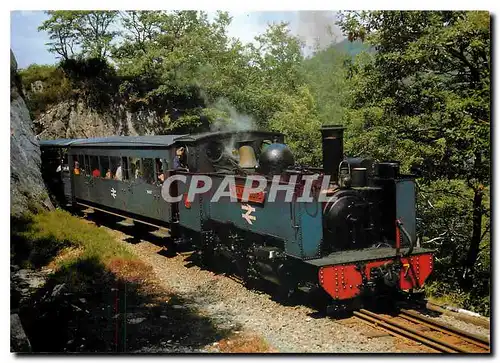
point(150, 140)
point(57, 143)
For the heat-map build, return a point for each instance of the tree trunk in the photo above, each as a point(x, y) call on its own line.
point(473, 252)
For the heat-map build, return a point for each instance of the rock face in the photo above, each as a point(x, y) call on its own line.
point(73, 119)
point(19, 342)
point(27, 189)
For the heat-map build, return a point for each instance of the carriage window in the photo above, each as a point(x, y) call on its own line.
point(105, 168)
point(88, 167)
point(148, 168)
point(135, 168)
point(160, 176)
point(83, 167)
point(94, 166)
point(116, 167)
point(125, 168)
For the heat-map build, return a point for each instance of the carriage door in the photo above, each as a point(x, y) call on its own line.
point(79, 179)
point(65, 176)
point(164, 209)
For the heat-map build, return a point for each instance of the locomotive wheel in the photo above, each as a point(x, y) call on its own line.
point(207, 257)
point(284, 293)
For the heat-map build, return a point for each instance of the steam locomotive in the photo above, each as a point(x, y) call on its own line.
point(354, 237)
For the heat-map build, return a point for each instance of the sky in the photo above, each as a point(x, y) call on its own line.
point(28, 44)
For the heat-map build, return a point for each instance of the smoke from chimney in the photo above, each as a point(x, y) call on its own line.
point(232, 120)
point(317, 29)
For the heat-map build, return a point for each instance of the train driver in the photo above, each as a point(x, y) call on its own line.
point(179, 158)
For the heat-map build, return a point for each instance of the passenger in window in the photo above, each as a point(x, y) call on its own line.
point(96, 173)
point(76, 170)
point(108, 174)
point(119, 172)
point(62, 167)
point(161, 176)
point(137, 173)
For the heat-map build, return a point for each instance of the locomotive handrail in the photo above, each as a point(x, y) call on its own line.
point(405, 232)
point(292, 217)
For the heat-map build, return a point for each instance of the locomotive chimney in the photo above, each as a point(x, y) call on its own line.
point(333, 149)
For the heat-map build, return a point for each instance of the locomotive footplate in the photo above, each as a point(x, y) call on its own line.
point(349, 274)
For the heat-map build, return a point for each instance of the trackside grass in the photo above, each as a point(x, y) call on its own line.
point(97, 296)
point(37, 239)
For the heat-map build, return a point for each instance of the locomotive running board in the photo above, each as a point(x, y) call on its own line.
point(368, 254)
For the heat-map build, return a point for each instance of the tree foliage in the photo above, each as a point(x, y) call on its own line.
point(80, 33)
point(423, 97)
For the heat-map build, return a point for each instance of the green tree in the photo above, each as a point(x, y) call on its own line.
point(187, 68)
point(161, 56)
point(62, 29)
point(86, 33)
point(95, 32)
point(326, 75)
point(278, 54)
point(424, 97)
point(189, 65)
point(298, 120)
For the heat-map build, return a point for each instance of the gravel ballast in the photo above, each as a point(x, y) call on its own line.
point(287, 329)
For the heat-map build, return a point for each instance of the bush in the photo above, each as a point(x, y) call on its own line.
point(93, 79)
point(44, 85)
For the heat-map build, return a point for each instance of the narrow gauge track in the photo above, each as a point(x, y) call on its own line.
point(416, 327)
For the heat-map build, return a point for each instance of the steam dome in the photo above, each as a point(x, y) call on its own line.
point(275, 159)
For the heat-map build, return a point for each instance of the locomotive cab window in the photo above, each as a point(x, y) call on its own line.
point(161, 168)
point(215, 151)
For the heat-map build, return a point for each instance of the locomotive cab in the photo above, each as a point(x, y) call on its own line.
point(366, 200)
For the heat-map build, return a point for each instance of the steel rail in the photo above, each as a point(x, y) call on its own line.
point(475, 339)
point(404, 332)
point(480, 321)
point(409, 332)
